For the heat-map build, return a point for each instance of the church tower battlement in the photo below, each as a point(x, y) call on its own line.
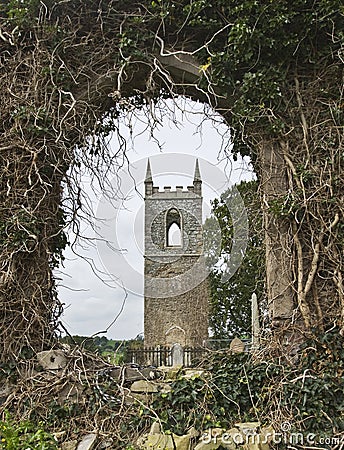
point(176, 286)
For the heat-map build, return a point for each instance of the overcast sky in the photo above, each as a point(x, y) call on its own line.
point(91, 305)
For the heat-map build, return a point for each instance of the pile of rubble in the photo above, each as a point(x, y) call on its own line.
point(244, 436)
point(132, 385)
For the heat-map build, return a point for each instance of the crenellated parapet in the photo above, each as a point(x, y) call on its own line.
point(195, 189)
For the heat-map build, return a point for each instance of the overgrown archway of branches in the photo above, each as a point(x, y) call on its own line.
point(176, 125)
point(273, 70)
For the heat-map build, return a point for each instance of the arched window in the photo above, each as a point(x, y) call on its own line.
point(174, 236)
point(173, 228)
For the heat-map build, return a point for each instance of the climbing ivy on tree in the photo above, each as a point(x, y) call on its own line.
point(231, 299)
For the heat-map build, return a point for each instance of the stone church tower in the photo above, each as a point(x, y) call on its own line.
point(176, 286)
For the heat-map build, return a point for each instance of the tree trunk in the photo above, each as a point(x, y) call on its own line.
point(278, 238)
point(31, 237)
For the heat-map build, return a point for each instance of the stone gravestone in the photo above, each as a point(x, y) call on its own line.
point(177, 354)
point(255, 322)
point(237, 346)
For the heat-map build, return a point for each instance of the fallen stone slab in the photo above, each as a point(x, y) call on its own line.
point(88, 442)
point(133, 373)
point(193, 373)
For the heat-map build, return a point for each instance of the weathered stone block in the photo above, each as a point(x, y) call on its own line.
point(237, 346)
point(155, 428)
point(205, 445)
point(248, 427)
point(193, 433)
point(171, 373)
point(132, 398)
point(164, 388)
point(144, 386)
point(166, 442)
point(70, 392)
point(69, 445)
point(108, 444)
point(133, 374)
point(52, 359)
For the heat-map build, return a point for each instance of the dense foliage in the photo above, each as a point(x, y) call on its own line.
point(231, 299)
point(308, 394)
point(259, 49)
point(25, 435)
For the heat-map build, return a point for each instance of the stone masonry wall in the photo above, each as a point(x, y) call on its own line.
point(184, 317)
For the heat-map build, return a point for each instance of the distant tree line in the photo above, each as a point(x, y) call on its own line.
point(116, 350)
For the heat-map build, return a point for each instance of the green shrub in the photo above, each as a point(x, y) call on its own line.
point(24, 435)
